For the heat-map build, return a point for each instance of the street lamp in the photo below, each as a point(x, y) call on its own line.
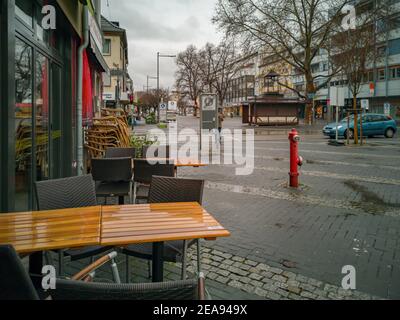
point(158, 78)
point(150, 78)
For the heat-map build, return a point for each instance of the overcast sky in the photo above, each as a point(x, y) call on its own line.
point(167, 26)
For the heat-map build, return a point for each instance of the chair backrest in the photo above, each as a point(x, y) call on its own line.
point(112, 170)
point(79, 290)
point(144, 171)
point(121, 153)
point(66, 193)
point(15, 283)
point(165, 189)
point(159, 151)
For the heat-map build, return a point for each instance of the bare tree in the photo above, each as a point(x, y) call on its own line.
point(188, 76)
point(218, 67)
point(354, 52)
point(293, 30)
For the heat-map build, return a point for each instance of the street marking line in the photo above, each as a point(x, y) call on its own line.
point(333, 153)
point(336, 176)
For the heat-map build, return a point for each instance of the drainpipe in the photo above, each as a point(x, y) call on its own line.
point(79, 124)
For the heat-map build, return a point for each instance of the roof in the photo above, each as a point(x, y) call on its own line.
point(112, 27)
point(108, 26)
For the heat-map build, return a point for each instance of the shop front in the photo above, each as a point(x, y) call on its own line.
point(38, 100)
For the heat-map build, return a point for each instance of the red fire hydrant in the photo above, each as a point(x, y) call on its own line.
point(295, 160)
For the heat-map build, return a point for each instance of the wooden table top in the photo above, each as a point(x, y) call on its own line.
point(109, 225)
point(50, 230)
point(124, 225)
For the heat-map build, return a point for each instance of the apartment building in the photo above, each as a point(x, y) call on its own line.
point(118, 85)
point(381, 83)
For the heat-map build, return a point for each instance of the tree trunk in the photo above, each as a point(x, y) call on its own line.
point(310, 90)
point(355, 119)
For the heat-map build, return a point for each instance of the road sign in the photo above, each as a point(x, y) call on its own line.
point(172, 106)
point(163, 112)
point(387, 109)
point(365, 104)
point(209, 111)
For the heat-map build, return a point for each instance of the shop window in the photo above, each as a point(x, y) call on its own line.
point(23, 125)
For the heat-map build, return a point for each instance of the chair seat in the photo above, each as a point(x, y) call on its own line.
point(142, 192)
point(113, 189)
point(172, 250)
point(87, 252)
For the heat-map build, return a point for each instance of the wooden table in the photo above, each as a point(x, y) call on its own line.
point(34, 232)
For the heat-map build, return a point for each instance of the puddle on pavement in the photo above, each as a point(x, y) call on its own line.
point(370, 201)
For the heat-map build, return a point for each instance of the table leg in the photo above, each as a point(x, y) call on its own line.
point(35, 268)
point(158, 262)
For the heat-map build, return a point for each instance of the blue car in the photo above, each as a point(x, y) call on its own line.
point(373, 125)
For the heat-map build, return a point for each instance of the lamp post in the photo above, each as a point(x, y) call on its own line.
point(158, 79)
point(150, 78)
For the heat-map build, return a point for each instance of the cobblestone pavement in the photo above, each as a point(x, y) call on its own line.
point(293, 244)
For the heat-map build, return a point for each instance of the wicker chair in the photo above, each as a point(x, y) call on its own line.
point(113, 178)
point(121, 153)
point(143, 174)
point(74, 192)
point(16, 284)
point(166, 190)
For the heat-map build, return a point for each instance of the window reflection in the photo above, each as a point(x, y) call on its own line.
point(24, 10)
point(23, 124)
point(42, 117)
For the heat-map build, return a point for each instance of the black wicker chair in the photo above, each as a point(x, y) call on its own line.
point(143, 174)
point(121, 153)
point(113, 178)
point(74, 192)
point(165, 190)
point(79, 290)
point(16, 284)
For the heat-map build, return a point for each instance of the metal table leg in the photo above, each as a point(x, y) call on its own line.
point(35, 268)
point(158, 262)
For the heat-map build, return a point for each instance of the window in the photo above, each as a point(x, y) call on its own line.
point(381, 74)
point(107, 47)
point(394, 73)
point(24, 11)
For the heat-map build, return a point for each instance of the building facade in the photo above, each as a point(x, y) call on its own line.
point(381, 83)
point(118, 86)
point(38, 95)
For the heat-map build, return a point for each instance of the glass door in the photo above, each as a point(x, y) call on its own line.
point(23, 125)
point(56, 125)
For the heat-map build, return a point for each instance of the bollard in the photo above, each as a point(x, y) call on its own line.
point(295, 160)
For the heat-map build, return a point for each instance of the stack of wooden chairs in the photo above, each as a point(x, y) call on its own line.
point(109, 131)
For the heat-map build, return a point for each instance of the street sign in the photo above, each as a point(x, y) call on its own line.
point(209, 111)
point(172, 106)
point(365, 104)
point(163, 112)
point(387, 109)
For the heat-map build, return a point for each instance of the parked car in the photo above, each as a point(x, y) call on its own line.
point(373, 125)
